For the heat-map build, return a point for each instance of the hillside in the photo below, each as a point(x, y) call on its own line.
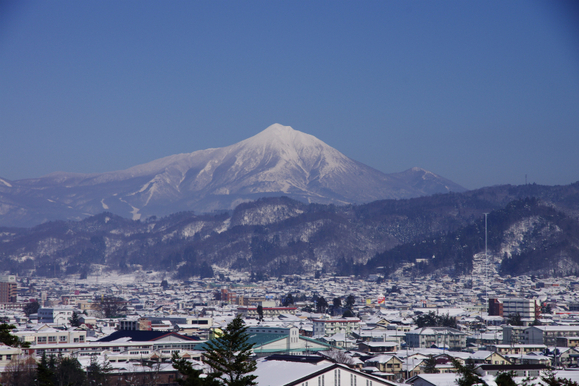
point(529, 227)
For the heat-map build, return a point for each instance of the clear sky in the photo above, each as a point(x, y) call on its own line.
point(480, 92)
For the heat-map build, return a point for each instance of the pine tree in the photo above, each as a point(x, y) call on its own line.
point(8, 339)
point(430, 366)
point(468, 375)
point(44, 372)
point(230, 356)
point(75, 320)
point(97, 374)
point(191, 377)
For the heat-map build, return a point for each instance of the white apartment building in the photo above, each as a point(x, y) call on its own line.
point(326, 327)
point(527, 308)
point(427, 337)
point(55, 315)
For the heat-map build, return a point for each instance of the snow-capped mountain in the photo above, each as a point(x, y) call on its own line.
point(278, 161)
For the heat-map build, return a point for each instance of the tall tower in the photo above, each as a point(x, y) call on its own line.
point(8, 289)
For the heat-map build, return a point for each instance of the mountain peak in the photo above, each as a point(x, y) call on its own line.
point(277, 161)
point(276, 133)
point(284, 139)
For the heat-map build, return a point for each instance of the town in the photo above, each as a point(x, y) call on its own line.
point(302, 328)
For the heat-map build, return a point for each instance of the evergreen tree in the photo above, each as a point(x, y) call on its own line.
point(31, 308)
point(505, 379)
point(321, 305)
point(97, 374)
point(230, 356)
point(44, 372)
point(69, 372)
point(350, 301)
point(288, 300)
point(468, 375)
point(515, 320)
point(191, 376)
point(8, 339)
point(75, 320)
point(430, 365)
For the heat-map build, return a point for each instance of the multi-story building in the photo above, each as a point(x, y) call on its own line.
point(326, 327)
point(428, 337)
point(55, 315)
point(495, 307)
point(48, 335)
point(8, 289)
point(138, 324)
point(267, 311)
point(526, 308)
point(548, 335)
point(514, 334)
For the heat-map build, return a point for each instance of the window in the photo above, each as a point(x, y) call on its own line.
point(41, 339)
point(62, 339)
point(8, 357)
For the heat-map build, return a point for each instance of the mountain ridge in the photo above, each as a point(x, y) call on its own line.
point(529, 227)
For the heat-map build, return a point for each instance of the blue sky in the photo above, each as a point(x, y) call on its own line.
point(480, 92)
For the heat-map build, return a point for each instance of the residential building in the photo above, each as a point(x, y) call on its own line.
point(251, 312)
point(293, 370)
point(8, 289)
point(442, 337)
point(326, 327)
point(55, 315)
point(525, 308)
point(548, 335)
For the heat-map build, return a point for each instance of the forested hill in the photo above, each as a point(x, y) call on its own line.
point(529, 227)
point(525, 237)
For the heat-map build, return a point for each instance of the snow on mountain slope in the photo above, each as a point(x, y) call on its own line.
point(277, 161)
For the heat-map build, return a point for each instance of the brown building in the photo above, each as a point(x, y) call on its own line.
point(8, 289)
point(495, 307)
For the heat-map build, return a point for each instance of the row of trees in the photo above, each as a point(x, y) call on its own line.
point(432, 319)
point(54, 371)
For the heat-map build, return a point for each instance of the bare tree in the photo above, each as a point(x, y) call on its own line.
point(110, 306)
point(20, 372)
point(339, 356)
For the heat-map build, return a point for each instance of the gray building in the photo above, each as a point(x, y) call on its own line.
point(426, 337)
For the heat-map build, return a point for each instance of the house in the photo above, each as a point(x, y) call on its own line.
point(386, 363)
point(378, 347)
point(291, 370)
point(489, 357)
point(447, 379)
point(7, 353)
point(516, 349)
